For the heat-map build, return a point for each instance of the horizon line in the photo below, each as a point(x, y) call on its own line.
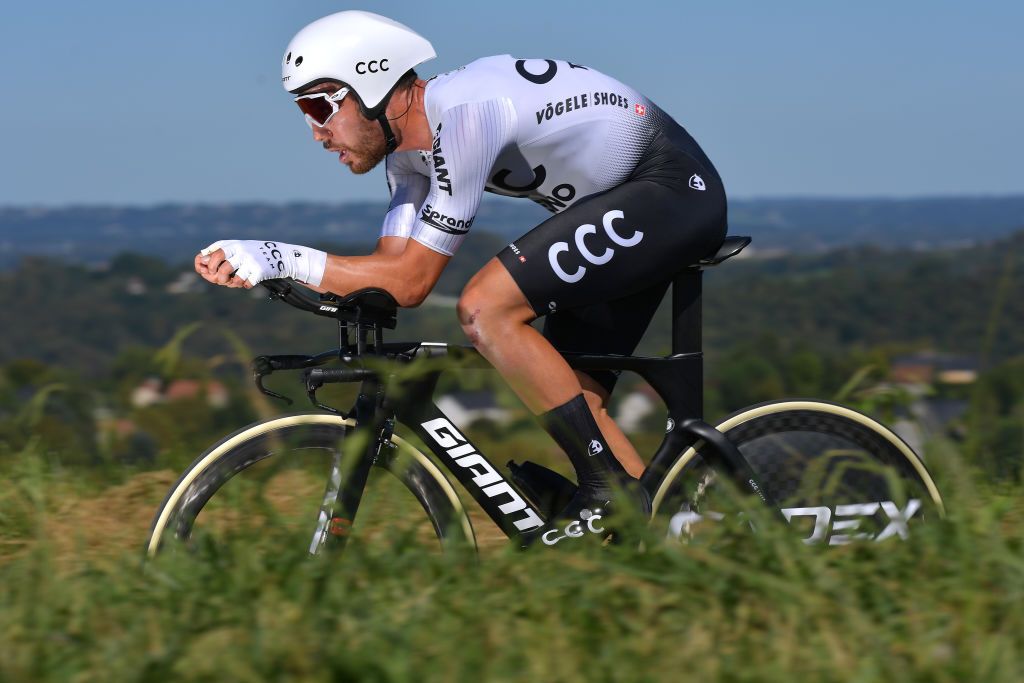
point(490, 199)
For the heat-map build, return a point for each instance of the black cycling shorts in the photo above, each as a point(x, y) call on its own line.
point(599, 269)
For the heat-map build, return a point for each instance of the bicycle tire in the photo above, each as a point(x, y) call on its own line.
point(835, 472)
point(306, 433)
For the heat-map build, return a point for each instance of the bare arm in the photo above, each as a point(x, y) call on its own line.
point(408, 275)
point(386, 246)
point(390, 245)
point(403, 267)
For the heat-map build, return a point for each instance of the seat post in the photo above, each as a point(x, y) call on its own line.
point(687, 325)
point(686, 311)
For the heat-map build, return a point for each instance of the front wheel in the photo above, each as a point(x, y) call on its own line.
point(838, 475)
point(272, 475)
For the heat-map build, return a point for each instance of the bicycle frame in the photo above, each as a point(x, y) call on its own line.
point(507, 506)
point(672, 378)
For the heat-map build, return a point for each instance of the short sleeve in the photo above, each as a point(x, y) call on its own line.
point(467, 141)
point(408, 184)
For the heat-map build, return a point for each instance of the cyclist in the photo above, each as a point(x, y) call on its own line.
point(634, 200)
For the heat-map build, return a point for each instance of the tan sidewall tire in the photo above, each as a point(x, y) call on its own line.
point(777, 407)
point(259, 429)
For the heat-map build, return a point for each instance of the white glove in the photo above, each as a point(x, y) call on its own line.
point(256, 261)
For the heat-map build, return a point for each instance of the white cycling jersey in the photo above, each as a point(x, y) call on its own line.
point(551, 131)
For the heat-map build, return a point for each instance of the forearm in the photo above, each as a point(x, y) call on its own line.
point(345, 274)
point(404, 268)
point(386, 246)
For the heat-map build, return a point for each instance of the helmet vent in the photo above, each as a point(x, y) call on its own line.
point(298, 61)
point(288, 59)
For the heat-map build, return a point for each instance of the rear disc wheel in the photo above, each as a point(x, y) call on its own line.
point(838, 475)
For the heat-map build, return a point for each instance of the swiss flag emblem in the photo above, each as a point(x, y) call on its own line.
point(639, 109)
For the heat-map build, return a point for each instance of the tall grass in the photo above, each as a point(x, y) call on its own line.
point(77, 603)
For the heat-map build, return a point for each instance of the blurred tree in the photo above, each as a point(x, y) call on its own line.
point(804, 373)
point(59, 419)
point(152, 271)
point(746, 379)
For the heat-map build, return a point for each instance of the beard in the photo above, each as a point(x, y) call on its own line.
point(368, 150)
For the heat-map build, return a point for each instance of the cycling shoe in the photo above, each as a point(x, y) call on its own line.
point(589, 516)
point(586, 521)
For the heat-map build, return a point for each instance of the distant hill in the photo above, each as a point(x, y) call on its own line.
point(800, 225)
point(174, 232)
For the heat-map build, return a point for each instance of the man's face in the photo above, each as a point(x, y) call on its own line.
point(358, 141)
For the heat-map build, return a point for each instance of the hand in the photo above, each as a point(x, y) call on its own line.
point(214, 267)
point(245, 263)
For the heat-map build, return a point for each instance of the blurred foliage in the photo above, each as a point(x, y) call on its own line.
point(75, 604)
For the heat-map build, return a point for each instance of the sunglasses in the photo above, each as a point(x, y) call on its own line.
point(320, 107)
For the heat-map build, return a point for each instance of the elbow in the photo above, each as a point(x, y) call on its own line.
point(417, 271)
point(412, 295)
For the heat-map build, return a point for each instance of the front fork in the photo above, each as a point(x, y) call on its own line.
point(327, 524)
point(350, 468)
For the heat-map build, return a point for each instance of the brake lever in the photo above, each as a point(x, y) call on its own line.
point(311, 393)
point(313, 383)
point(266, 365)
point(258, 378)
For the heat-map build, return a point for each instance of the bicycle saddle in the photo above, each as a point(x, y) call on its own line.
point(732, 245)
point(364, 307)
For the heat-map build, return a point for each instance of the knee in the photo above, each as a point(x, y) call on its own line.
point(471, 312)
point(468, 300)
point(486, 318)
point(491, 306)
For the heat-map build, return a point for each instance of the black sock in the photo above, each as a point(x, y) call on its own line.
point(573, 427)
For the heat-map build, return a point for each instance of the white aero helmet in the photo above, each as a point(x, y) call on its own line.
point(364, 51)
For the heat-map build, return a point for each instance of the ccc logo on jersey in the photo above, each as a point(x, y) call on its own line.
point(586, 251)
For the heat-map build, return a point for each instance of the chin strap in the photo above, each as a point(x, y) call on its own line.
point(389, 135)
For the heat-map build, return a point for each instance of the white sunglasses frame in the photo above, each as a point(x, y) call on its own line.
point(334, 99)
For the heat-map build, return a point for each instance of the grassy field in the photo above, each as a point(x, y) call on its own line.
point(78, 604)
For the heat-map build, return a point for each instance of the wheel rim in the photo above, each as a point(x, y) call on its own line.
point(826, 464)
point(216, 469)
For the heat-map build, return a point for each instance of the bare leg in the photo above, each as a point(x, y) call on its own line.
point(622, 448)
point(496, 317)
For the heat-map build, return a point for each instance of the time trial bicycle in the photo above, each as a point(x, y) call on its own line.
point(832, 473)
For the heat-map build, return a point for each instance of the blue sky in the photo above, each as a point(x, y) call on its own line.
point(142, 102)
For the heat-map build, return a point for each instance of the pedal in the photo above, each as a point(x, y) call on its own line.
point(548, 490)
